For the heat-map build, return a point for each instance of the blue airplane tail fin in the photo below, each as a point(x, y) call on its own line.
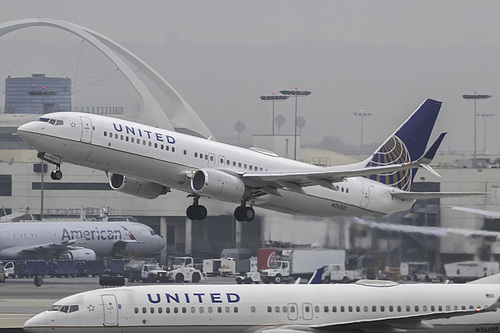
point(317, 275)
point(407, 144)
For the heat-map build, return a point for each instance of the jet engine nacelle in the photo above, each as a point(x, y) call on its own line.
point(138, 187)
point(218, 184)
point(81, 254)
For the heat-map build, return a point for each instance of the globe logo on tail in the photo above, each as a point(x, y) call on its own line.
point(393, 151)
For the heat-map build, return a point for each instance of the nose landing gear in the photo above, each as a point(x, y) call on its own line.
point(57, 173)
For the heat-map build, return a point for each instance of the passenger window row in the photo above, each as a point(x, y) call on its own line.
point(196, 154)
point(184, 309)
point(138, 141)
point(375, 308)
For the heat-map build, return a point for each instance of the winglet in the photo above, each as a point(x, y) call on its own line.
point(318, 274)
point(431, 152)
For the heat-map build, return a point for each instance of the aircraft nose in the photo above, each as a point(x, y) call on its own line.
point(28, 130)
point(36, 324)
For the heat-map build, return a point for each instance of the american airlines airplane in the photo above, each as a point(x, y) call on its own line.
point(366, 306)
point(76, 240)
point(147, 161)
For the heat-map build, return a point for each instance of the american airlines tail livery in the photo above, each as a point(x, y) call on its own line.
point(77, 240)
point(366, 306)
point(147, 162)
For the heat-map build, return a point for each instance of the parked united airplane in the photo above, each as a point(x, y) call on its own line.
point(76, 240)
point(366, 306)
point(147, 161)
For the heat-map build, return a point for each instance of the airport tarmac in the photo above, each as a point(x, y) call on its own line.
point(20, 299)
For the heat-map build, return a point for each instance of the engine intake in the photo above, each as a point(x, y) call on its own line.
point(81, 254)
point(218, 184)
point(138, 187)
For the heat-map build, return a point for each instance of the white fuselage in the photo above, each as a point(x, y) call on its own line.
point(20, 240)
point(169, 158)
point(293, 308)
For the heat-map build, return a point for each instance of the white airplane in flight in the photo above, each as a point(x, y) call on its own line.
point(76, 240)
point(147, 162)
point(366, 306)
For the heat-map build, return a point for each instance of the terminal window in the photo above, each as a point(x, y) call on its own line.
point(5, 185)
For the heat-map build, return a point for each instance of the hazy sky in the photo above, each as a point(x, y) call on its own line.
point(416, 23)
point(382, 56)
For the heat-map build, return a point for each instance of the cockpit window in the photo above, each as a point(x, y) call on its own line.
point(64, 308)
point(55, 122)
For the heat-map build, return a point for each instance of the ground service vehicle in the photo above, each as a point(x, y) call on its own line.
point(145, 272)
point(223, 266)
point(470, 270)
point(253, 276)
point(183, 271)
point(293, 264)
point(336, 273)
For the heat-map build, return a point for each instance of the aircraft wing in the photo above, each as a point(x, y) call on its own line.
point(325, 177)
point(46, 250)
point(379, 325)
point(487, 213)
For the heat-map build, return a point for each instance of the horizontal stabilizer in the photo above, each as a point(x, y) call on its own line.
point(432, 195)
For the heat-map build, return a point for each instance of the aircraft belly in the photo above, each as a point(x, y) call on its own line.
point(313, 203)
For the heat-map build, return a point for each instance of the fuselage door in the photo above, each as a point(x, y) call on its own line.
point(8, 237)
point(86, 129)
point(293, 312)
point(110, 310)
point(307, 311)
point(365, 195)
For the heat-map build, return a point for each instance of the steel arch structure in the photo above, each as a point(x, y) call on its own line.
point(185, 119)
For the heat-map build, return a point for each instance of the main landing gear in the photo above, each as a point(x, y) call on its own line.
point(244, 213)
point(196, 211)
point(57, 173)
point(199, 212)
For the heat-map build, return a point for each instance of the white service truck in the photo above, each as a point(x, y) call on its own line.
point(465, 271)
point(222, 266)
point(336, 273)
point(300, 263)
point(145, 271)
point(183, 270)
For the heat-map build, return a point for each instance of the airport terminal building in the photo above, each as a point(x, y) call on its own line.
point(85, 193)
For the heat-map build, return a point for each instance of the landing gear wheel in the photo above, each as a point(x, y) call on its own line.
point(201, 212)
point(56, 174)
point(196, 212)
point(242, 213)
point(190, 213)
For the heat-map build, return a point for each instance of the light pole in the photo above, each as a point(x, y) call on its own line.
point(362, 115)
point(296, 92)
point(273, 98)
point(475, 97)
point(485, 115)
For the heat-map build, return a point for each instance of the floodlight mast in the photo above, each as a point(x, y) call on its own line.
point(484, 115)
point(296, 93)
point(475, 97)
point(274, 98)
point(362, 115)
